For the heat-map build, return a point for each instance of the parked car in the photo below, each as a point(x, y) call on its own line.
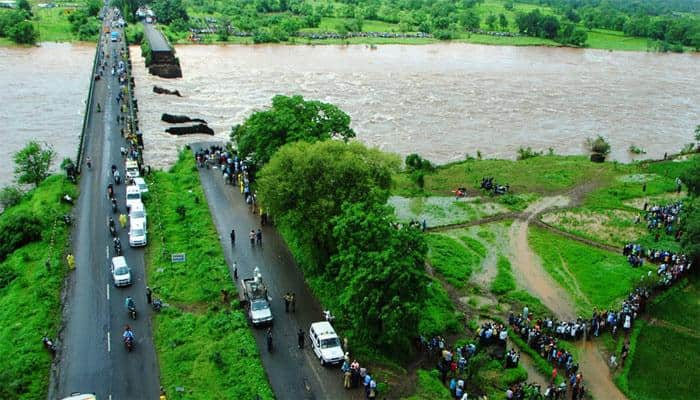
point(326, 343)
point(137, 214)
point(121, 273)
point(133, 195)
point(137, 234)
point(132, 169)
point(141, 183)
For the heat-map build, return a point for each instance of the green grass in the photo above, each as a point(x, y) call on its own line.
point(662, 366)
point(30, 303)
point(593, 277)
point(504, 281)
point(615, 40)
point(680, 305)
point(53, 25)
point(438, 316)
point(477, 38)
point(542, 175)
point(451, 259)
point(443, 210)
point(202, 346)
point(429, 387)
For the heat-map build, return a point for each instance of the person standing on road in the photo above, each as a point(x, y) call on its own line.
point(122, 221)
point(233, 237)
point(293, 301)
point(149, 295)
point(287, 299)
point(252, 237)
point(258, 237)
point(300, 338)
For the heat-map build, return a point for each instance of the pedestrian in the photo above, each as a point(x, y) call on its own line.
point(293, 301)
point(347, 375)
point(644, 187)
point(69, 258)
point(235, 271)
point(300, 340)
point(122, 220)
point(149, 295)
point(258, 237)
point(251, 235)
point(233, 237)
point(554, 374)
point(286, 298)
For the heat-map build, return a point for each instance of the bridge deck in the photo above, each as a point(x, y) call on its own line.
point(155, 38)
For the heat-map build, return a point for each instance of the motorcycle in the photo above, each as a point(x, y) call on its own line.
point(129, 344)
point(132, 312)
point(113, 231)
point(49, 344)
point(114, 206)
point(117, 246)
point(157, 305)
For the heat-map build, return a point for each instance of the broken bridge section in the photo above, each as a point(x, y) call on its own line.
point(161, 61)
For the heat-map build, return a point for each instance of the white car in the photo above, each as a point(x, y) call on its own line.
point(137, 234)
point(132, 169)
point(326, 343)
point(137, 215)
point(121, 274)
point(141, 183)
point(133, 195)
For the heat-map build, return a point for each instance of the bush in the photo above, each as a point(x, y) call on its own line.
point(16, 230)
point(10, 196)
point(23, 33)
point(414, 162)
point(525, 153)
point(504, 281)
point(599, 145)
point(513, 375)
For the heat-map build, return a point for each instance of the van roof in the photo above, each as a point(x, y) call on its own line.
point(133, 189)
point(119, 261)
point(136, 224)
point(137, 206)
point(323, 328)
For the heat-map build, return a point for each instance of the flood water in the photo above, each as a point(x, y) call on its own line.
point(42, 97)
point(443, 100)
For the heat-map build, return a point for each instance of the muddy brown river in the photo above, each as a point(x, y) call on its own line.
point(442, 101)
point(42, 97)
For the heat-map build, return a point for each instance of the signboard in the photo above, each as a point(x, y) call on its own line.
point(177, 257)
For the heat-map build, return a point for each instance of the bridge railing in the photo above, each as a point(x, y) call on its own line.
point(88, 104)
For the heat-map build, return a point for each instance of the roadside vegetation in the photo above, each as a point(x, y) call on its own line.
point(34, 240)
point(203, 345)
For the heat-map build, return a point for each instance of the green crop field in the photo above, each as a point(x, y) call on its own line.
point(452, 259)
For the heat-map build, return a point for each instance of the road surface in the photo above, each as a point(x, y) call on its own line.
point(293, 373)
point(92, 357)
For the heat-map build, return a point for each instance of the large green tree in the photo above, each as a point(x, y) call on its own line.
point(381, 267)
point(290, 119)
point(32, 163)
point(304, 185)
point(168, 11)
point(691, 178)
point(690, 241)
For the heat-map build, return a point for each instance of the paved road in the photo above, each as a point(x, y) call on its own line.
point(293, 373)
point(92, 355)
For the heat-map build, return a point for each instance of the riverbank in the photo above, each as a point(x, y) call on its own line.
point(31, 279)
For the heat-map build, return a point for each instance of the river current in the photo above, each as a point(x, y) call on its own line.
point(442, 101)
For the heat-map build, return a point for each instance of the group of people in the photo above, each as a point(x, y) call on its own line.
point(354, 375)
point(671, 266)
point(663, 217)
point(488, 184)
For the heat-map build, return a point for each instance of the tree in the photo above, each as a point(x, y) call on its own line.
point(26, 7)
point(224, 25)
point(469, 19)
point(690, 224)
point(10, 196)
point(697, 133)
point(691, 178)
point(381, 266)
point(23, 33)
point(502, 21)
point(169, 10)
point(33, 163)
point(491, 21)
point(290, 119)
point(304, 185)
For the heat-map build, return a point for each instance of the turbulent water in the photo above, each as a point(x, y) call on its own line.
point(444, 100)
point(42, 97)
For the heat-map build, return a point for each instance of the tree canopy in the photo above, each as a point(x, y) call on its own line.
point(381, 266)
point(290, 119)
point(304, 185)
point(32, 163)
point(167, 11)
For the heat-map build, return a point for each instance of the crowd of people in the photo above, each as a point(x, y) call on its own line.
point(354, 375)
point(671, 266)
point(663, 217)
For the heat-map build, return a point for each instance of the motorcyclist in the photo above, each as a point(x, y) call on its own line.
point(88, 161)
point(128, 335)
point(117, 246)
point(269, 339)
point(116, 176)
point(111, 223)
point(99, 107)
point(129, 303)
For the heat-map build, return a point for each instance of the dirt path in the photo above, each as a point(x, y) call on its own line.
point(527, 266)
point(596, 373)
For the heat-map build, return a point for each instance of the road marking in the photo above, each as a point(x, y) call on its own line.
point(110, 397)
point(108, 292)
point(109, 344)
point(107, 252)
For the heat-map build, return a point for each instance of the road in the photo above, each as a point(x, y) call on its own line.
point(92, 357)
point(293, 373)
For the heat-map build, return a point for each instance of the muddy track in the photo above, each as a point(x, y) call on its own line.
point(480, 221)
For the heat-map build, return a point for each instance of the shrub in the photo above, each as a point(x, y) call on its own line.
point(504, 281)
point(10, 196)
point(16, 231)
point(414, 162)
point(599, 145)
point(513, 375)
point(525, 153)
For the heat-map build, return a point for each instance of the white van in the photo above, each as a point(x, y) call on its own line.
point(137, 234)
point(78, 396)
point(133, 195)
point(121, 274)
point(132, 169)
point(326, 343)
point(137, 214)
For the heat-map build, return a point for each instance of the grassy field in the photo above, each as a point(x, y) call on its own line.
point(453, 260)
point(439, 316)
point(202, 345)
point(429, 387)
point(593, 277)
point(680, 307)
point(615, 40)
point(610, 226)
point(541, 175)
point(30, 301)
point(439, 211)
point(53, 25)
point(504, 281)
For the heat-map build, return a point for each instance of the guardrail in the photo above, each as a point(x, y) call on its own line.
point(88, 104)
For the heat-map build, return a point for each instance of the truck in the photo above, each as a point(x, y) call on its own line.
point(255, 300)
point(114, 36)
